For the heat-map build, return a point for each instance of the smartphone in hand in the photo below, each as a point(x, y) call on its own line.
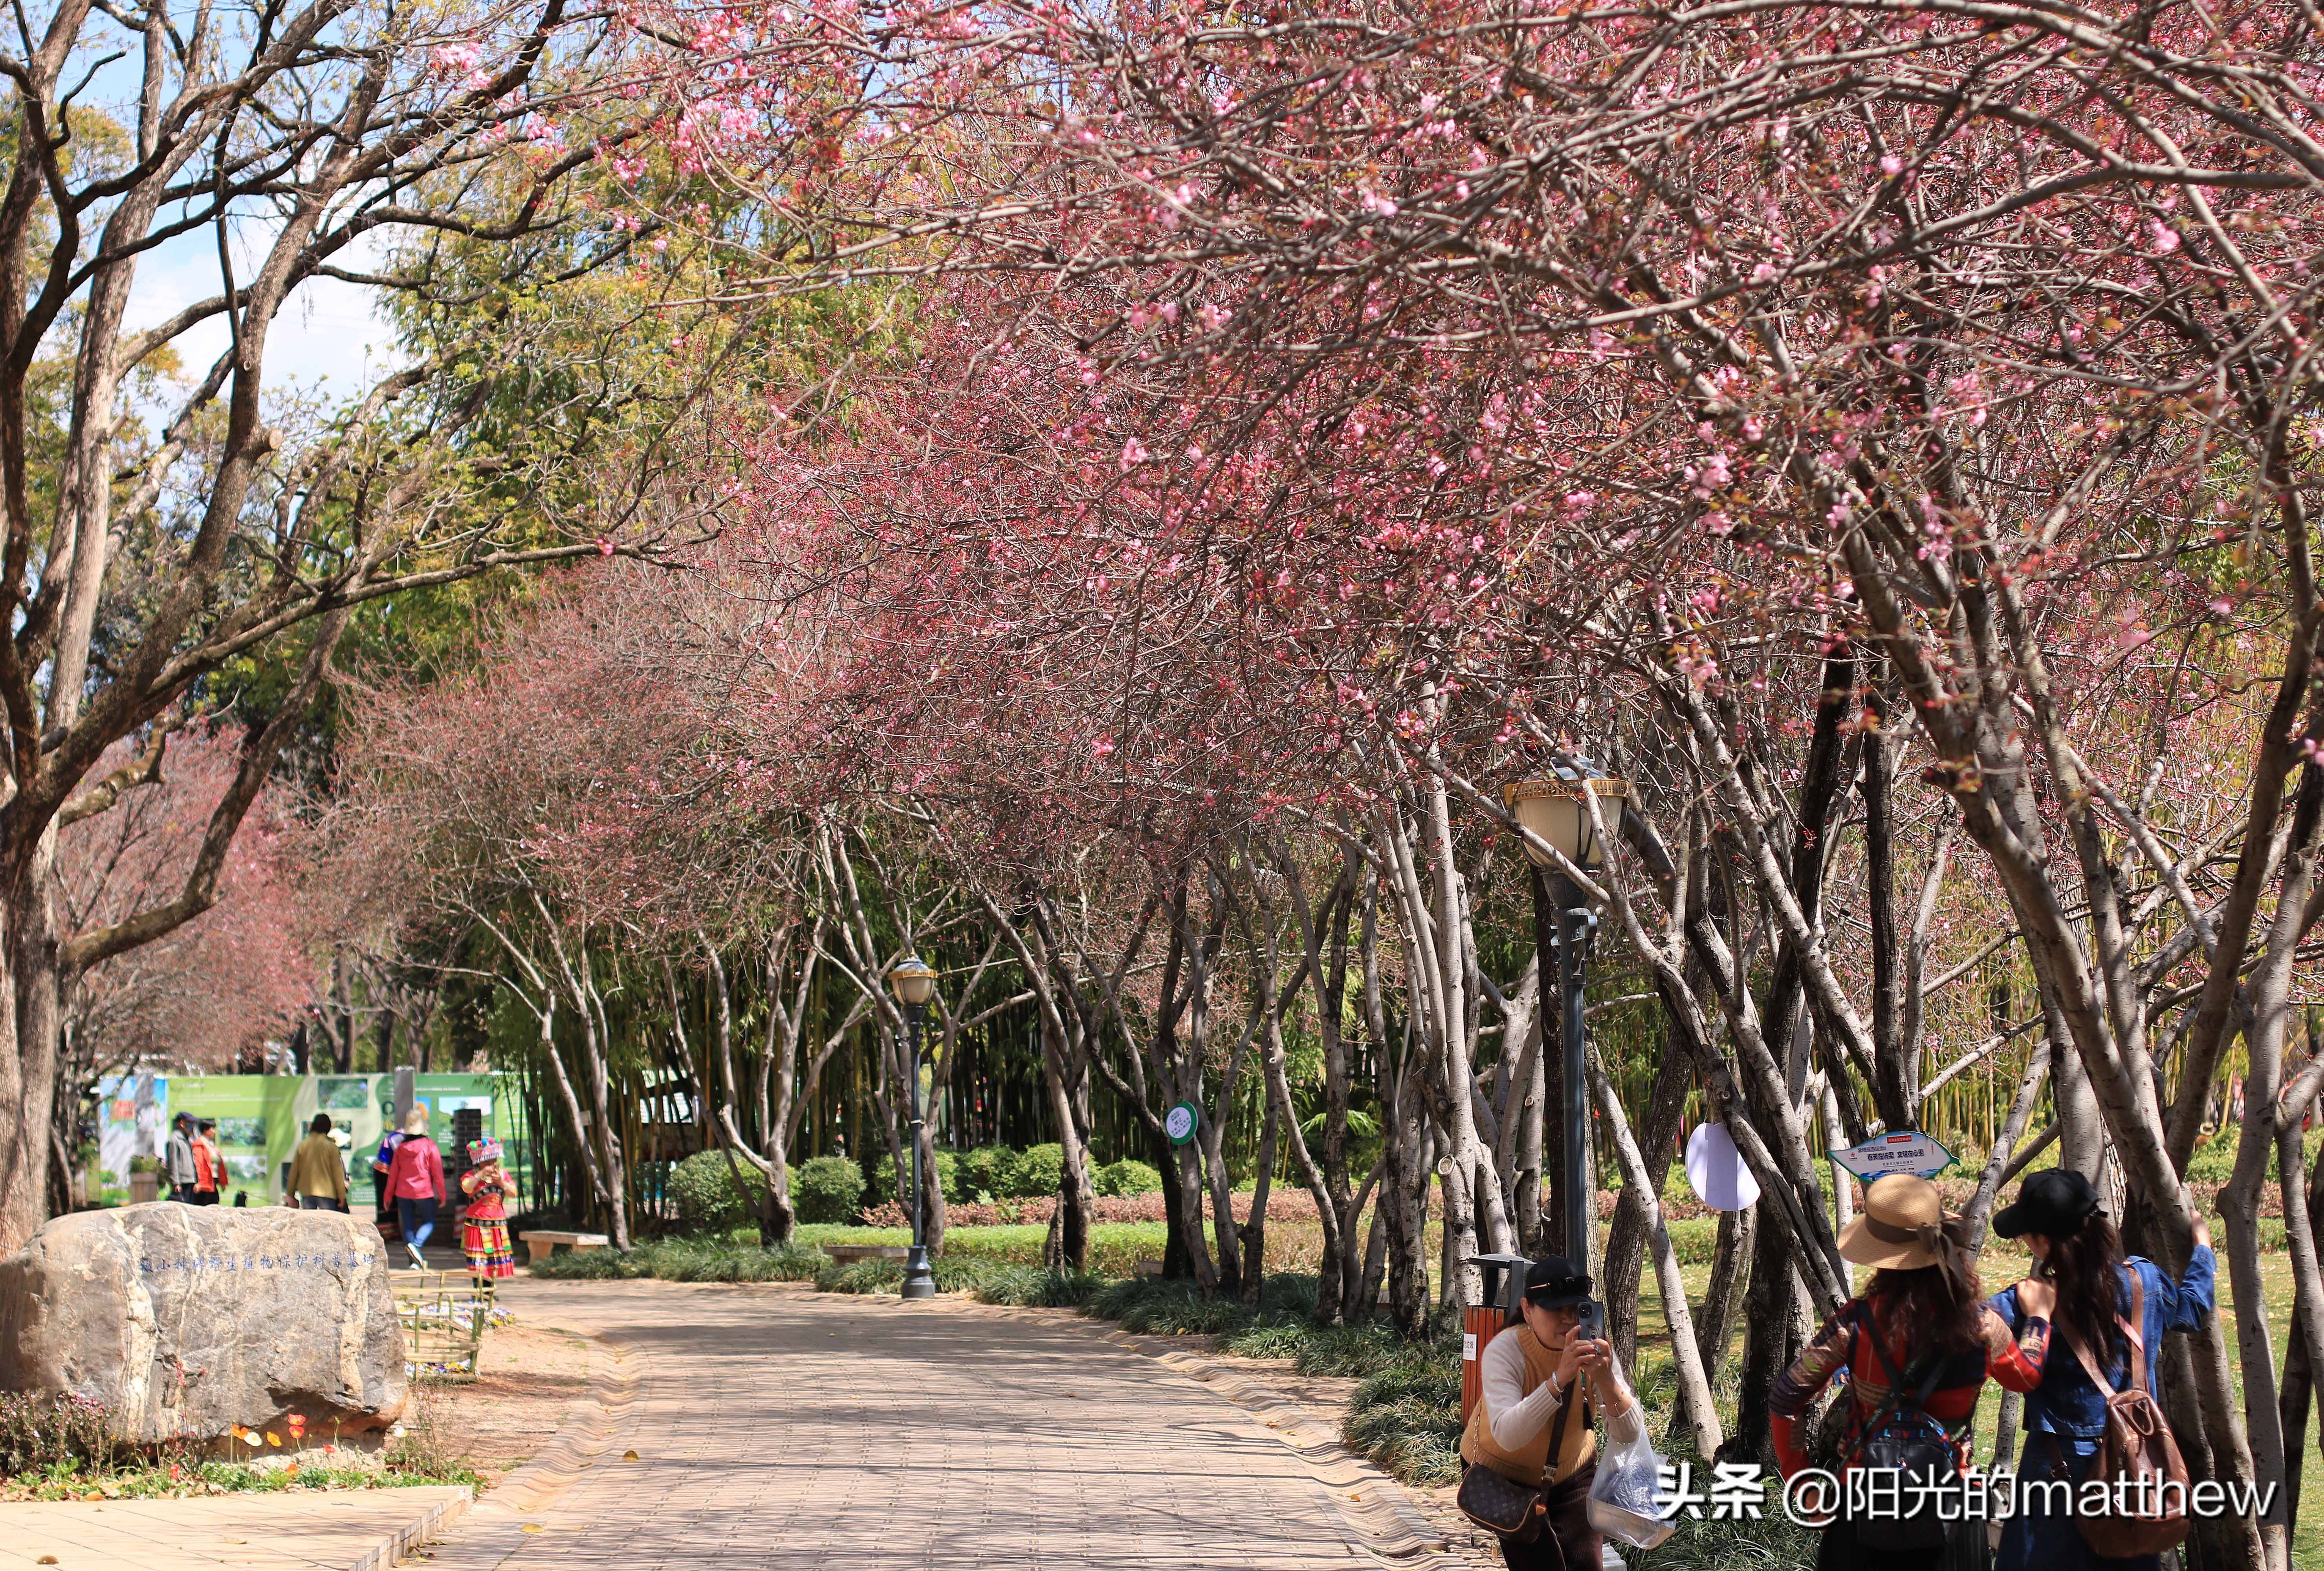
point(1592, 1327)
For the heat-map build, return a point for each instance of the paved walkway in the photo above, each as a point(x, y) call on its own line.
point(344, 1530)
point(778, 1427)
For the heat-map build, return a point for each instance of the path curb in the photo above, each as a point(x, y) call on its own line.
point(412, 1534)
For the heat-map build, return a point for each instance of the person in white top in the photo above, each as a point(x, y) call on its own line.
point(1528, 1377)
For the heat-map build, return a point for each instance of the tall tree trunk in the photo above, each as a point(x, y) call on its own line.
point(1177, 1260)
point(1549, 1234)
point(28, 1048)
point(1254, 1231)
point(1731, 1260)
point(1769, 1343)
point(1699, 1413)
point(2305, 1357)
point(1077, 1204)
point(1626, 1239)
point(1405, 1208)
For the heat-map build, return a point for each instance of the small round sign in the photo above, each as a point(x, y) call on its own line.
point(1181, 1122)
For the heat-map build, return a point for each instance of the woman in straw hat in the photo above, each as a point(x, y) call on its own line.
point(2079, 1266)
point(1920, 1325)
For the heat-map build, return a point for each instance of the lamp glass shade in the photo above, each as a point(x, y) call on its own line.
point(1555, 812)
point(914, 979)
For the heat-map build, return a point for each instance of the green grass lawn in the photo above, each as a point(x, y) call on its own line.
point(1115, 1247)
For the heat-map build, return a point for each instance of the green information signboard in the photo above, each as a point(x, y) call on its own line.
point(1181, 1122)
point(261, 1118)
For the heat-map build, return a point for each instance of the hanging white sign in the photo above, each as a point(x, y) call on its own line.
point(1716, 1170)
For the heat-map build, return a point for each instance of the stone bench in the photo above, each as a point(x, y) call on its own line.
point(849, 1253)
point(1148, 1268)
point(543, 1243)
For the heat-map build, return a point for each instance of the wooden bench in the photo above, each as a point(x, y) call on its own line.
point(542, 1243)
point(849, 1253)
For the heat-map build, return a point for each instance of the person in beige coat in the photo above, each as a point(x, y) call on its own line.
point(318, 1176)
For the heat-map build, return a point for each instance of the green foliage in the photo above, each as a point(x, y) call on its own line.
point(1151, 1306)
point(1129, 1176)
point(2214, 1160)
point(883, 1178)
point(1115, 1247)
point(1040, 1171)
point(57, 1447)
point(1033, 1286)
point(862, 1276)
point(686, 1259)
point(988, 1170)
point(828, 1189)
point(1407, 1420)
point(176, 1475)
point(1694, 1239)
point(1348, 1352)
point(714, 1192)
point(1775, 1543)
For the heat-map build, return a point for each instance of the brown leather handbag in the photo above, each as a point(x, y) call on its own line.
point(1500, 1504)
point(2138, 1457)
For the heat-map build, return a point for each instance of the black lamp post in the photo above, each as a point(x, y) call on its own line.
point(914, 981)
point(1556, 811)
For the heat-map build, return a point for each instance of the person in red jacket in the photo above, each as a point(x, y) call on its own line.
point(210, 1164)
point(1922, 1320)
point(415, 1182)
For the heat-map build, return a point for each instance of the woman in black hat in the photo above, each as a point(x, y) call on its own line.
point(2078, 1257)
point(1527, 1428)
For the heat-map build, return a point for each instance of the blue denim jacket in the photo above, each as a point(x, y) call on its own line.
point(2065, 1402)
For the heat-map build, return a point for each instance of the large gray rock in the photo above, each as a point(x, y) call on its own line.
point(186, 1320)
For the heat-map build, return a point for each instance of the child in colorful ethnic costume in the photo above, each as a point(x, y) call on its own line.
point(484, 1224)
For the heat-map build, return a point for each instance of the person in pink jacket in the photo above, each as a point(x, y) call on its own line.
point(415, 1183)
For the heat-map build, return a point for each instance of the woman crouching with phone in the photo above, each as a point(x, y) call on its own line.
point(1530, 1428)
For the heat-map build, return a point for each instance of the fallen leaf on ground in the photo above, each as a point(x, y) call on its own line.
point(46, 1560)
point(629, 1456)
point(534, 1528)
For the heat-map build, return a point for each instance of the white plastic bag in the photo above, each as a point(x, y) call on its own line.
point(1627, 1501)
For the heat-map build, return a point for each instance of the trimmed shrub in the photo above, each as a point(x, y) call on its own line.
point(708, 1198)
point(883, 1178)
point(1129, 1176)
point(1040, 1171)
point(988, 1170)
point(828, 1188)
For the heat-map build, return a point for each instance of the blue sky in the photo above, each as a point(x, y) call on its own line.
point(327, 329)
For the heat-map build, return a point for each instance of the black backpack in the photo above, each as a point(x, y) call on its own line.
point(1904, 1437)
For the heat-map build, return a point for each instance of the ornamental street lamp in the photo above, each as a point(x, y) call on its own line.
point(915, 982)
point(1556, 811)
